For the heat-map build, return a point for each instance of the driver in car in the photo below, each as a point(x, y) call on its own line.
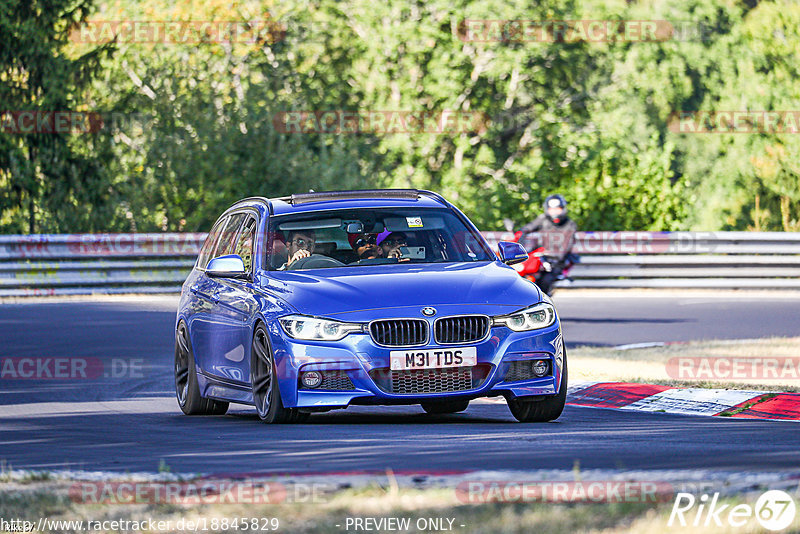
point(301, 245)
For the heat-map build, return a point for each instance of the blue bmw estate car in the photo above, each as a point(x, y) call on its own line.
point(321, 301)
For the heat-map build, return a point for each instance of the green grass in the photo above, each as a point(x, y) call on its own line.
point(746, 406)
point(31, 500)
point(649, 365)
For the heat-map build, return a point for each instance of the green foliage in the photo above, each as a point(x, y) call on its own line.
point(46, 183)
point(588, 119)
point(202, 134)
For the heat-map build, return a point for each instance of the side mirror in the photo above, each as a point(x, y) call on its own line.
point(230, 266)
point(511, 253)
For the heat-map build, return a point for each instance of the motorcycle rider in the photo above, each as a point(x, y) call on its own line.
point(556, 236)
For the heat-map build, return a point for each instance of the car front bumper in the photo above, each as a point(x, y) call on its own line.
point(366, 365)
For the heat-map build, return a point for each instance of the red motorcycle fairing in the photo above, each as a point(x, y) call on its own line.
point(534, 268)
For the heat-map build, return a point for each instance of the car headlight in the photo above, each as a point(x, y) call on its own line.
point(540, 316)
point(314, 328)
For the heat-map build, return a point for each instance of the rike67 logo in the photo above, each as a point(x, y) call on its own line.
point(774, 510)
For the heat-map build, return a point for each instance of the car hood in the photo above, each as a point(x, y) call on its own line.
point(371, 292)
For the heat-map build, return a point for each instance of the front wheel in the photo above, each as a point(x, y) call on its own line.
point(549, 409)
point(264, 382)
point(440, 407)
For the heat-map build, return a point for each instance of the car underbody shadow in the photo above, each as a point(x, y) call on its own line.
point(397, 415)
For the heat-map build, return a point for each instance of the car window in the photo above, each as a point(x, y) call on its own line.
point(244, 244)
point(374, 237)
point(205, 252)
point(228, 237)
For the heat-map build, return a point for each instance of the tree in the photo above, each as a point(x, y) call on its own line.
point(46, 182)
point(202, 132)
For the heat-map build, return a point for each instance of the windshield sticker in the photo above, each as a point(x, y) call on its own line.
point(414, 222)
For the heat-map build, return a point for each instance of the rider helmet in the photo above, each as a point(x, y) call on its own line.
point(555, 209)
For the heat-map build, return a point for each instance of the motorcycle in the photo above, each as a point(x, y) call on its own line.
point(541, 267)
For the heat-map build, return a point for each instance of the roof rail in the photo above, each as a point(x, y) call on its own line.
point(262, 199)
point(435, 196)
point(305, 198)
point(265, 200)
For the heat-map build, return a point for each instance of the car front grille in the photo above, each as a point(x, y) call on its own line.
point(423, 381)
point(431, 380)
point(462, 329)
point(399, 332)
point(523, 370)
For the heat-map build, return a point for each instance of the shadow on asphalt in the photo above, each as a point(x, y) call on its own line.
point(345, 418)
point(484, 437)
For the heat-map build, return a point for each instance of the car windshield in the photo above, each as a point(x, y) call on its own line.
point(358, 237)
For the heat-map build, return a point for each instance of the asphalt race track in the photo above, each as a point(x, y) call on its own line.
point(127, 419)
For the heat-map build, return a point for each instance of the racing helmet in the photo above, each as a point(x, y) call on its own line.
point(555, 208)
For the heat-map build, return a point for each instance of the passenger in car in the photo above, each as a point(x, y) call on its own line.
point(365, 246)
point(390, 243)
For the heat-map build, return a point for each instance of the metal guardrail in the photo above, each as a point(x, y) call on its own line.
point(158, 263)
point(752, 260)
point(75, 264)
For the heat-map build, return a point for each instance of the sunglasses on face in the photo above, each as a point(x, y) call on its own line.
point(364, 241)
point(303, 243)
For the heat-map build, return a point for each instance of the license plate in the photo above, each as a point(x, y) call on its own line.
point(433, 358)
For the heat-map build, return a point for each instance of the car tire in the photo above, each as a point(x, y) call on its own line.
point(264, 384)
point(541, 411)
point(453, 406)
point(187, 389)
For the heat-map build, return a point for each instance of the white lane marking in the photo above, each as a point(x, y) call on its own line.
point(488, 400)
point(645, 345)
point(143, 405)
point(692, 401)
point(574, 387)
